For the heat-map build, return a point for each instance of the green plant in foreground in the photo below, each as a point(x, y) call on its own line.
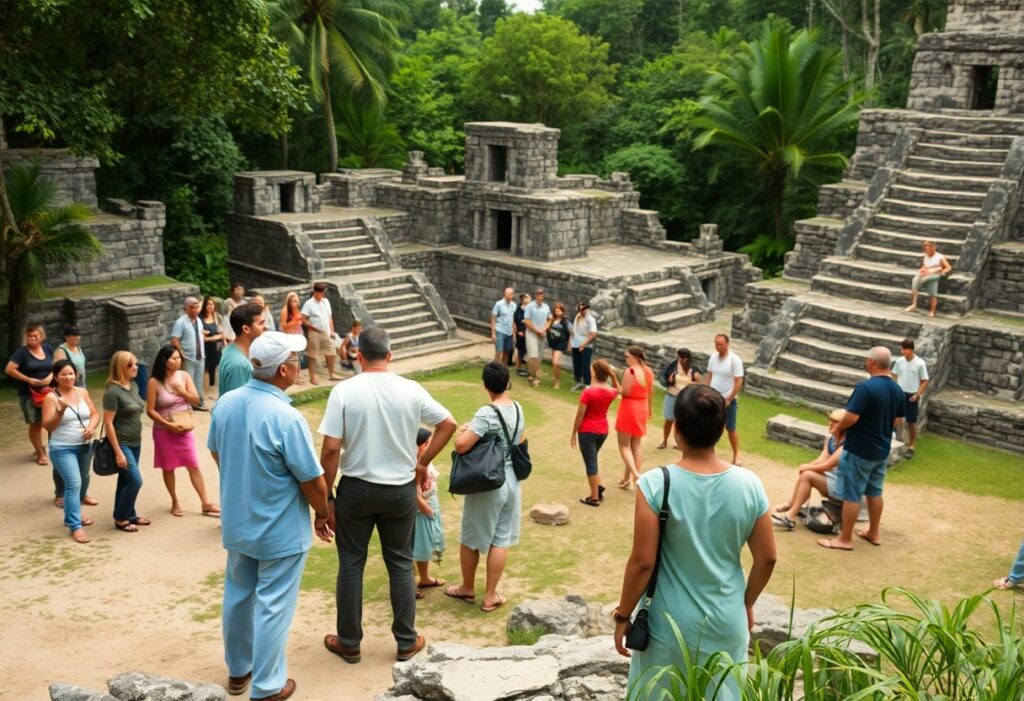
point(525, 636)
point(923, 650)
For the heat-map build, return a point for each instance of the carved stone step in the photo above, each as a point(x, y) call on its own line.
point(940, 181)
point(796, 389)
point(889, 295)
point(885, 275)
point(954, 198)
point(675, 319)
point(388, 318)
point(803, 366)
point(398, 300)
point(333, 233)
point(885, 238)
point(927, 210)
point(346, 261)
point(968, 140)
point(660, 305)
point(659, 288)
point(335, 250)
point(356, 269)
point(924, 227)
point(390, 291)
point(843, 335)
point(939, 165)
point(422, 338)
point(829, 352)
point(897, 257)
point(955, 152)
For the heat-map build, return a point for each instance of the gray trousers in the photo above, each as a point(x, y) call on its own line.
point(196, 369)
point(360, 507)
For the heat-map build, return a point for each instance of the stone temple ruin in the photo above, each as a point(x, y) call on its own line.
point(423, 253)
point(950, 169)
point(419, 252)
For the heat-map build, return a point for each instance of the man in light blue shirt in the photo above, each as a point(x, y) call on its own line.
point(502, 333)
point(269, 476)
point(187, 337)
point(537, 317)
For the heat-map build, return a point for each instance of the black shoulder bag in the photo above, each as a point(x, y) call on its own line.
point(639, 635)
point(479, 469)
point(522, 465)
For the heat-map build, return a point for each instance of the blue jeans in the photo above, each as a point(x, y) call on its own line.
point(581, 364)
point(196, 369)
point(1017, 571)
point(129, 482)
point(260, 597)
point(72, 463)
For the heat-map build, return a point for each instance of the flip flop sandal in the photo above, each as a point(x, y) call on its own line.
point(212, 511)
point(1005, 583)
point(140, 521)
point(454, 593)
point(177, 512)
point(89, 501)
point(495, 606)
point(590, 502)
point(126, 527)
point(87, 521)
point(784, 521)
point(420, 595)
point(827, 544)
point(435, 582)
point(863, 535)
point(80, 539)
point(58, 502)
point(600, 492)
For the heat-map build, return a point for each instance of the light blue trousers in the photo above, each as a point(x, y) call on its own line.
point(259, 602)
point(1017, 571)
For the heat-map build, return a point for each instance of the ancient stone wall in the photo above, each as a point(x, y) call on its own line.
point(132, 239)
point(816, 240)
point(353, 188)
point(971, 419)
point(943, 76)
point(1004, 280)
point(985, 15)
point(764, 302)
point(72, 176)
point(275, 191)
point(987, 359)
point(641, 227)
point(434, 212)
point(267, 253)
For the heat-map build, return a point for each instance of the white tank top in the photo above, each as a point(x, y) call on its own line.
point(69, 430)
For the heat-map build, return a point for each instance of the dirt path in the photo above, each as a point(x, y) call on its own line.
point(151, 600)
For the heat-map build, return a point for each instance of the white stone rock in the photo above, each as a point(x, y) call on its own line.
point(139, 686)
point(568, 616)
point(70, 692)
point(550, 514)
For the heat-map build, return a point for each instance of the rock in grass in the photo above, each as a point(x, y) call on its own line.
point(568, 616)
point(70, 692)
point(139, 686)
point(550, 514)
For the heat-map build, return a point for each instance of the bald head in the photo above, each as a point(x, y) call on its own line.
point(879, 360)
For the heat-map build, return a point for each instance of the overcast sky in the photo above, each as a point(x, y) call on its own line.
point(527, 5)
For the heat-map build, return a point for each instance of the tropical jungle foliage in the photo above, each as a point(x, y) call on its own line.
point(174, 96)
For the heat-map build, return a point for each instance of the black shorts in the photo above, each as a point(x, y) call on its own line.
point(590, 444)
point(912, 407)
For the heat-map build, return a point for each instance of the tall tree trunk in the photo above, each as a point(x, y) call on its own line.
point(776, 200)
point(810, 14)
point(17, 316)
point(872, 36)
point(7, 223)
point(332, 137)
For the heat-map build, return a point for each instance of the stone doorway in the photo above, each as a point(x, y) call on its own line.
point(503, 229)
point(497, 163)
point(984, 85)
point(287, 191)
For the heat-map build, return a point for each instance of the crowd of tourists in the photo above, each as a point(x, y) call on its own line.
point(380, 433)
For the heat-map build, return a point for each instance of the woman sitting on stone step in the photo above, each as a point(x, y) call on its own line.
point(933, 267)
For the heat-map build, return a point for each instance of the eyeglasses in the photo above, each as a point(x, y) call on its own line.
point(293, 360)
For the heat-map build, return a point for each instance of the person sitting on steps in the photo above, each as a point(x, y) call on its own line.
point(934, 267)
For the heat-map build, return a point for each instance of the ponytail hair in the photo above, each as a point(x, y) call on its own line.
point(638, 353)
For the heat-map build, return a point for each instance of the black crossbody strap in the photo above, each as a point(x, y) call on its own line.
point(662, 520)
point(504, 426)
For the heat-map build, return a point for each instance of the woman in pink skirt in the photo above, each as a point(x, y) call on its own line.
point(169, 399)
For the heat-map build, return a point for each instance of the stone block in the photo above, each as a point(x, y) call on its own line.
point(70, 692)
point(140, 686)
point(550, 514)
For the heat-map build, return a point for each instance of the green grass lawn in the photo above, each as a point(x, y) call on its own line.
point(109, 288)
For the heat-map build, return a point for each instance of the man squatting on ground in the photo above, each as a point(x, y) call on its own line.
point(867, 424)
point(269, 477)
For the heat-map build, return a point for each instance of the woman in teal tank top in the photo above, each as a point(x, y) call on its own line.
point(714, 510)
point(71, 350)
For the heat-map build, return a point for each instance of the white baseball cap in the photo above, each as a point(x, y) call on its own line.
point(272, 348)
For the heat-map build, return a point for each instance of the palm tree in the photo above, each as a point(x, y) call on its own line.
point(775, 108)
point(37, 236)
point(348, 43)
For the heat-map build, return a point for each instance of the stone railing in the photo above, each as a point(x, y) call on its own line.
point(878, 189)
point(995, 221)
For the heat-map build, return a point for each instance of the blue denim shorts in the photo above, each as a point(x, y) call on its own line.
point(730, 415)
point(503, 342)
point(912, 407)
point(857, 477)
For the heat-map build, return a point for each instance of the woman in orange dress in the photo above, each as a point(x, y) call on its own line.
point(634, 410)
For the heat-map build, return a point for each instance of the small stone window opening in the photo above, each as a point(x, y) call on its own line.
point(984, 85)
point(503, 230)
point(710, 287)
point(497, 163)
point(287, 197)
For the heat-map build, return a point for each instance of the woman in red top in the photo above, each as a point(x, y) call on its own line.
point(634, 410)
point(591, 425)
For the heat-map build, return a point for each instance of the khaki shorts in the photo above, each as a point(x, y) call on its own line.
point(319, 345)
point(533, 344)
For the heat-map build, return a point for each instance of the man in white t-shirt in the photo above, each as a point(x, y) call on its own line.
point(318, 319)
point(537, 317)
point(725, 374)
point(502, 331)
point(911, 374)
point(375, 417)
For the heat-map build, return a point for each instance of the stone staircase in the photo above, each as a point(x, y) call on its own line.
point(822, 358)
point(397, 303)
point(345, 248)
point(663, 305)
point(936, 196)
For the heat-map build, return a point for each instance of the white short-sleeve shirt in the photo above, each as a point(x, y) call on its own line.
point(910, 373)
point(377, 415)
point(319, 313)
point(724, 371)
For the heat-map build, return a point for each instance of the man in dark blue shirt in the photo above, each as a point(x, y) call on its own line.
point(868, 423)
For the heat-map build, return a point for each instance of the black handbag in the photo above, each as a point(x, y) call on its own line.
point(479, 469)
point(104, 459)
point(522, 465)
point(639, 635)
